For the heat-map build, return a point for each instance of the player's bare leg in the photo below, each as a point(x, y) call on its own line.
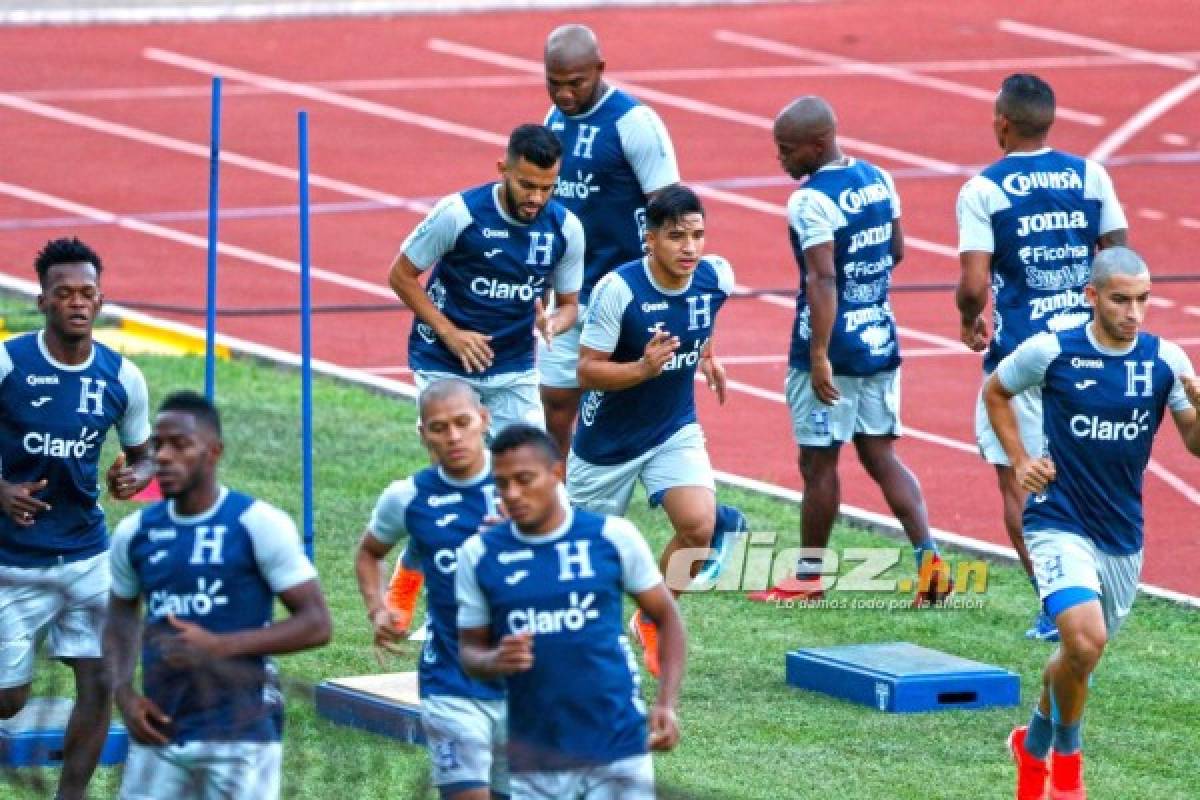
point(561, 406)
point(87, 728)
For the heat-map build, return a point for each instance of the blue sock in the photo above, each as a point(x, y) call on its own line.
point(1039, 736)
point(919, 551)
point(1068, 739)
point(729, 520)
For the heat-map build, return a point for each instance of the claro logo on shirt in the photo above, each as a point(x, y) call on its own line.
point(573, 618)
point(47, 444)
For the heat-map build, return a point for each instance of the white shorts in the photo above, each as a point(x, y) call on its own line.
point(681, 460)
point(628, 779)
point(1028, 408)
point(1064, 560)
point(869, 406)
point(509, 397)
point(557, 364)
point(66, 602)
point(467, 740)
point(203, 771)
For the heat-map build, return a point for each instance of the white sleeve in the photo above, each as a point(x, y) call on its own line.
point(648, 148)
point(568, 273)
point(813, 217)
point(1098, 185)
point(6, 365)
point(277, 548)
point(602, 327)
point(724, 270)
point(639, 571)
point(978, 199)
point(1180, 365)
point(891, 185)
point(134, 426)
point(473, 609)
point(436, 235)
point(125, 581)
point(387, 520)
point(1026, 366)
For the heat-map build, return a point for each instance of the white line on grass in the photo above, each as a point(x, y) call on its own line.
point(845, 65)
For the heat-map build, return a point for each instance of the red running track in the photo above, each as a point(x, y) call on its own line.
point(104, 137)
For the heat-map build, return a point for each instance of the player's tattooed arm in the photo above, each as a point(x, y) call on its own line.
point(144, 720)
point(658, 604)
point(480, 659)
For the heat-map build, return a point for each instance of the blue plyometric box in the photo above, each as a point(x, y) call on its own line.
point(901, 677)
point(385, 704)
point(34, 738)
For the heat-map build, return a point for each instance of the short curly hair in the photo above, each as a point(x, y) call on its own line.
point(67, 250)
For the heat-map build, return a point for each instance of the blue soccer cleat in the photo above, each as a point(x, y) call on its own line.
point(729, 521)
point(1043, 630)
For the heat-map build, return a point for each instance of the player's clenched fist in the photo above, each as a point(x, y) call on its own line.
point(1035, 474)
point(513, 654)
point(658, 352)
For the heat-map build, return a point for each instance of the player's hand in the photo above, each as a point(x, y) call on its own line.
point(544, 321)
point(1035, 474)
point(389, 633)
point(714, 376)
point(513, 654)
point(18, 503)
point(664, 728)
point(122, 481)
point(822, 381)
point(144, 720)
point(471, 348)
point(1191, 385)
point(658, 352)
point(191, 646)
point(975, 335)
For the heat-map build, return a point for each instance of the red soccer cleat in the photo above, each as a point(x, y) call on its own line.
point(797, 590)
point(402, 594)
point(645, 633)
point(1031, 772)
point(1066, 777)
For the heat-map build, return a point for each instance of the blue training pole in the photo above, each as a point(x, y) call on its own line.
point(305, 340)
point(214, 174)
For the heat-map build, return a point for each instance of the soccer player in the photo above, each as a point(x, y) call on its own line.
point(60, 393)
point(494, 251)
point(437, 509)
point(540, 606)
point(208, 562)
point(649, 328)
point(1028, 227)
point(843, 382)
point(1105, 388)
point(616, 155)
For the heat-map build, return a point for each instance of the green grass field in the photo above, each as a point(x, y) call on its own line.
point(746, 734)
